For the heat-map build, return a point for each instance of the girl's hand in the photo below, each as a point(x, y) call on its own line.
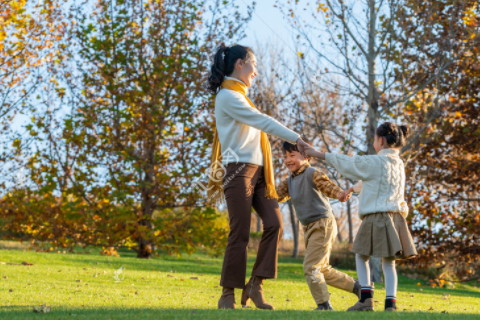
point(310, 151)
point(314, 153)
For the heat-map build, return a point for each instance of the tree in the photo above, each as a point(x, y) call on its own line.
point(367, 56)
point(125, 125)
point(443, 161)
point(28, 33)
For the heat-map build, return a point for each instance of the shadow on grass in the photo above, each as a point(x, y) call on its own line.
point(20, 313)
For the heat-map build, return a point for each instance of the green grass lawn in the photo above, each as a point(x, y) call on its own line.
point(91, 286)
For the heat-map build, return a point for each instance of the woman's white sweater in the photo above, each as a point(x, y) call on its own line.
point(239, 126)
point(383, 177)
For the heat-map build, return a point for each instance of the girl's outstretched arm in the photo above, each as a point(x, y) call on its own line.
point(357, 167)
point(314, 153)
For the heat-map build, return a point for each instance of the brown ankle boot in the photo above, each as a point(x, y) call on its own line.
point(227, 300)
point(253, 290)
point(367, 305)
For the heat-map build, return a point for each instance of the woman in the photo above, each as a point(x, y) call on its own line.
point(247, 172)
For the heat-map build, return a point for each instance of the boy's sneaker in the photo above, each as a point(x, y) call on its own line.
point(324, 306)
point(367, 305)
point(357, 289)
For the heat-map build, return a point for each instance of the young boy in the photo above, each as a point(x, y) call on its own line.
point(308, 189)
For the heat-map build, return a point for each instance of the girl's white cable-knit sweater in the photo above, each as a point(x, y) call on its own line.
point(382, 176)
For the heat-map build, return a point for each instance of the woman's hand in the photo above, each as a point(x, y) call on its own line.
point(302, 146)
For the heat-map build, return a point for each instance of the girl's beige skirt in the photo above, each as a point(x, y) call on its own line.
point(384, 234)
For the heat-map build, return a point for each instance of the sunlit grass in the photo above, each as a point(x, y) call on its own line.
point(92, 286)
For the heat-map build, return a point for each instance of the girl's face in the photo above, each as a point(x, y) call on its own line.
point(379, 143)
point(246, 70)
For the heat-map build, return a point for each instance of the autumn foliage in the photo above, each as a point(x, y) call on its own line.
point(106, 123)
point(443, 156)
point(118, 132)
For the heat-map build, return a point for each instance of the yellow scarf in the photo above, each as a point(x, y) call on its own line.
point(215, 183)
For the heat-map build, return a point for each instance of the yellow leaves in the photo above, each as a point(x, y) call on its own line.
point(16, 143)
point(470, 18)
point(17, 5)
point(109, 251)
point(322, 7)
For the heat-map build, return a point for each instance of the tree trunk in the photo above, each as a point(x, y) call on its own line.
point(145, 245)
point(373, 114)
point(295, 229)
point(339, 235)
point(259, 224)
point(350, 224)
point(372, 98)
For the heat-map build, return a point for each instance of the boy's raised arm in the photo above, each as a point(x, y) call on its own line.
point(282, 191)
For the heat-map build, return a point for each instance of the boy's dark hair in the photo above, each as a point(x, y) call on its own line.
point(395, 135)
point(224, 63)
point(287, 146)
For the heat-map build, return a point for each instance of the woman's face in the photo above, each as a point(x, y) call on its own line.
point(246, 70)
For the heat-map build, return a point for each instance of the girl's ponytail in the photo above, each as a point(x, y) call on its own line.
point(217, 72)
point(224, 64)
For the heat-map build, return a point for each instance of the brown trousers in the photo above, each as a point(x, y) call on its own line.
point(244, 187)
point(319, 238)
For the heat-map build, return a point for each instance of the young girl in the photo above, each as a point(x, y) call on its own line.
point(242, 156)
point(382, 208)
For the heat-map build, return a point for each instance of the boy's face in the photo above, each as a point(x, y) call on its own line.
point(294, 160)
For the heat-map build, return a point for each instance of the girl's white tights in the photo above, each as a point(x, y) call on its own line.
point(363, 270)
point(389, 272)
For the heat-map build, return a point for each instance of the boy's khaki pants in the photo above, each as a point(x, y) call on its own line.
point(319, 238)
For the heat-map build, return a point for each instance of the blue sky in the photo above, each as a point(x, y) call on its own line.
point(268, 26)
